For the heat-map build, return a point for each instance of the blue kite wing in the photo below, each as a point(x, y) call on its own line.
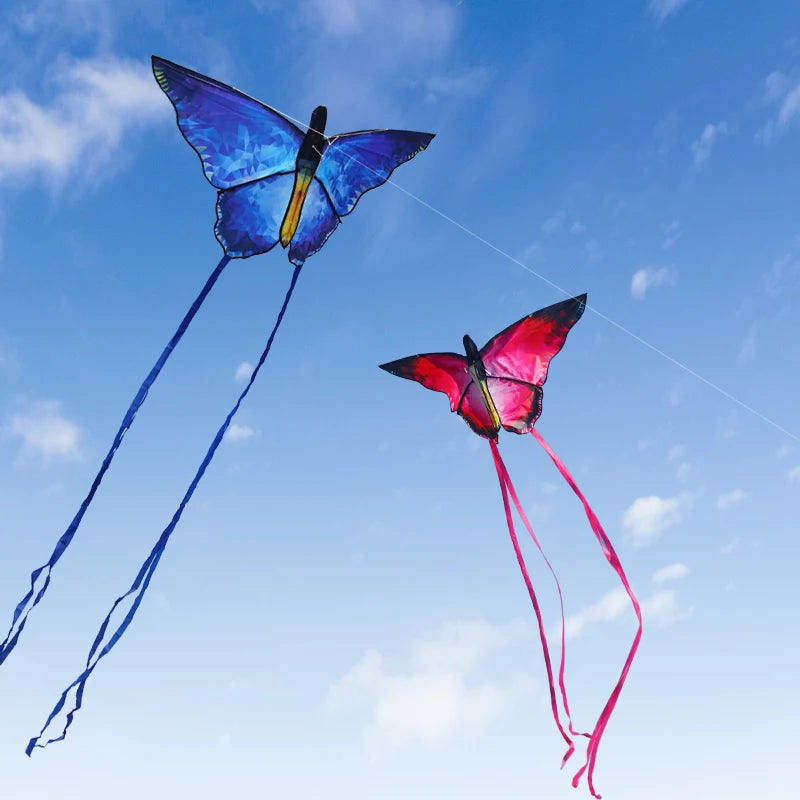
point(237, 138)
point(317, 222)
point(354, 163)
point(249, 216)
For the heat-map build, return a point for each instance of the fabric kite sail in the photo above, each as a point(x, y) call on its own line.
point(276, 183)
point(500, 386)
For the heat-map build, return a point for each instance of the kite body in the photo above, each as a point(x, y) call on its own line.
point(277, 184)
point(500, 386)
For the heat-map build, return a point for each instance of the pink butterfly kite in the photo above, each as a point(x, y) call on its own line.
point(500, 386)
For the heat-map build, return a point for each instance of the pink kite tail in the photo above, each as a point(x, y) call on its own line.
point(502, 474)
point(561, 685)
point(613, 559)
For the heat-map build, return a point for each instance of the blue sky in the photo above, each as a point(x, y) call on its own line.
point(339, 613)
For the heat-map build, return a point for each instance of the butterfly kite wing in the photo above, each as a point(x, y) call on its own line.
point(442, 372)
point(523, 350)
point(518, 403)
point(237, 138)
point(354, 163)
point(472, 409)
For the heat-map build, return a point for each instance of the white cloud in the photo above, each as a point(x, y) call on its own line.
point(794, 474)
point(730, 499)
point(747, 350)
point(683, 472)
point(239, 433)
point(45, 433)
point(10, 361)
point(243, 372)
point(704, 144)
point(460, 646)
point(552, 224)
point(577, 228)
point(432, 700)
point(98, 101)
point(672, 232)
point(593, 251)
point(468, 82)
point(676, 451)
point(610, 607)
point(732, 546)
point(784, 92)
point(79, 17)
point(660, 608)
point(783, 269)
point(650, 278)
point(673, 572)
point(661, 9)
point(647, 517)
point(404, 44)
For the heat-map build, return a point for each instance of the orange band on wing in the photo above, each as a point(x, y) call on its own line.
point(490, 406)
point(302, 180)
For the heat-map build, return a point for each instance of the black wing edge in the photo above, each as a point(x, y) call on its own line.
point(572, 308)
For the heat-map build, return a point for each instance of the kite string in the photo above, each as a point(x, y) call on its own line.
point(501, 477)
point(23, 608)
point(148, 568)
point(563, 291)
point(613, 560)
point(562, 666)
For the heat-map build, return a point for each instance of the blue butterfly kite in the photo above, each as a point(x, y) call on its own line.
point(276, 184)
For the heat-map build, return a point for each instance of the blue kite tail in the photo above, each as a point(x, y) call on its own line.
point(139, 586)
point(25, 606)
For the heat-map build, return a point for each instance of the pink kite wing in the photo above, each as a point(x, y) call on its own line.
point(519, 404)
point(523, 350)
point(474, 412)
point(442, 372)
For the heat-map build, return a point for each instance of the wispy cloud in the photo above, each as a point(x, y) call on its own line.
point(704, 144)
point(45, 433)
point(659, 608)
point(732, 546)
point(661, 9)
point(783, 270)
point(650, 278)
point(97, 102)
point(747, 350)
point(466, 82)
point(784, 92)
point(794, 474)
point(402, 43)
point(673, 572)
point(610, 607)
point(730, 499)
point(553, 223)
point(676, 451)
point(683, 472)
point(433, 699)
point(239, 433)
point(672, 232)
point(648, 517)
point(243, 372)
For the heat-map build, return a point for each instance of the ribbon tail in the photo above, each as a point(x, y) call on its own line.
point(562, 664)
point(501, 476)
point(613, 560)
point(148, 568)
point(25, 606)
